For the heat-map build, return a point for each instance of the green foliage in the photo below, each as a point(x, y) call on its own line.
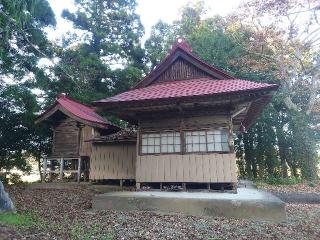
point(20, 220)
point(312, 184)
point(282, 181)
point(23, 41)
point(15, 178)
point(107, 59)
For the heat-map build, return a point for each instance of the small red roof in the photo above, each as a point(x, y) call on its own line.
point(76, 109)
point(188, 88)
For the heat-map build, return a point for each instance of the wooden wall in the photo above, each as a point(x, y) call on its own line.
point(181, 70)
point(218, 121)
point(66, 138)
point(87, 133)
point(113, 161)
point(193, 167)
point(200, 168)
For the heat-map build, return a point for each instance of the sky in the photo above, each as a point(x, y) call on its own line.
point(150, 11)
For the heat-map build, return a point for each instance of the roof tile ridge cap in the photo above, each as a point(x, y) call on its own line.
point(76, 101)
point(101, 119)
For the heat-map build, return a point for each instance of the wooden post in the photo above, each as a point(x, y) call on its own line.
point(209, 188)
point(79, 170)
point(61, 168)
point(44, 170)
point(121, 183)
point(161, 186)
point(138, 185)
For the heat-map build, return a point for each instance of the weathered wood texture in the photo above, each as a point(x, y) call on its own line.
point(87, 133)
point(66, 139)
point(201, 168)
point(113, 161)
point(180, 70)
point(185, 122)
point(195, 167)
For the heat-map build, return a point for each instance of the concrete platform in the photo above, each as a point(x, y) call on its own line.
point(247, 203)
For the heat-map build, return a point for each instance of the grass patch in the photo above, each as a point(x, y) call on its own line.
point(16, 219)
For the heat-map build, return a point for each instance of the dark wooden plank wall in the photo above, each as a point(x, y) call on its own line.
point(181, 70)
point(66, 139)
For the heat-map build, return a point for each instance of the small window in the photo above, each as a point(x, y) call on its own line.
point(207, 141)
point(150, 143)
point(166, 142)
point(170, 142)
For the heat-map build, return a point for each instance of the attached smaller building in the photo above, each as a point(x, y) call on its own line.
point(72, 123)
point(114, 156)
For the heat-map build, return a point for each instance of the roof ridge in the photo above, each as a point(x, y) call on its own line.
point(63, 95)
point(186, 49)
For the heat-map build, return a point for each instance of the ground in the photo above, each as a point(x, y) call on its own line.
point(67, 214)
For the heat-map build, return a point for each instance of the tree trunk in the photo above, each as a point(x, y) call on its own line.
point(39, 168)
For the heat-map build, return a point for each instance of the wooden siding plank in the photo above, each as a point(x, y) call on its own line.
point(180, 165)
point(112, 162)
point(220, 173)
point(206, 168)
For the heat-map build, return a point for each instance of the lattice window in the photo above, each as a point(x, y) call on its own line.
point(207, 141)
point(150, 143)
point(196, 141)
point(165, 142)
point(170, 142)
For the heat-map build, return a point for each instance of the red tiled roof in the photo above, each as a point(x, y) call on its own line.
point(187, 88)
point(79, 110)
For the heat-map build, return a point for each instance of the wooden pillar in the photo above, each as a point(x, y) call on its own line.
point(121, 183)
point(209, 188)
point(161, 186)
point(138, 185)
point(61, 168)
point(79, 170)
point(44, 169)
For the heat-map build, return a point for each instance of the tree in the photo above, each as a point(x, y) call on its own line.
point(23, 43)
point(289, 44)
point(107, 57)
point(19, 137)
point(22, 38)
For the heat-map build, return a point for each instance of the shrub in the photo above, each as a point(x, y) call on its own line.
point(312, 184)
point(282, 181)
point(15, 178)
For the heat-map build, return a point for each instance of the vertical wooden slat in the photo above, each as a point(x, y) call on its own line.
point(115, 161)
point(220, 174)
point(227, 168)
point(180, 165)
point(206, 168)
